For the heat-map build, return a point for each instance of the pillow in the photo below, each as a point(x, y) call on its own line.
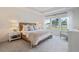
point(35, 27)
point(28, 28)
point(31, 28)
point(25, 28)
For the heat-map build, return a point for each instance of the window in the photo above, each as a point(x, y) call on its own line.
point(64, 23)
point(47, 23)
point(56, 23)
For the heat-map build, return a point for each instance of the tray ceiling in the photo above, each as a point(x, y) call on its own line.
point(50, 10)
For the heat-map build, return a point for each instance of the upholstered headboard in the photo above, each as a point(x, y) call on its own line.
point(21, 25)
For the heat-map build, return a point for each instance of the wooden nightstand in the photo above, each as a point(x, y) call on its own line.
point(14, 35)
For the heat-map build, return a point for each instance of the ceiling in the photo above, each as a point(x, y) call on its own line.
point(50, 10)
point(41, 9)
point(45, 9)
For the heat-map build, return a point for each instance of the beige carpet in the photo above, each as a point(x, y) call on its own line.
point(51, 45)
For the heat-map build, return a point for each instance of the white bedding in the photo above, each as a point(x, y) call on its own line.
point(35, 36)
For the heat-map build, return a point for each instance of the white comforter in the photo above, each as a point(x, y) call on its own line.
point(37, 35)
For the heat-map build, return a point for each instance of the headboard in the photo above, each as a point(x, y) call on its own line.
point(21, 25)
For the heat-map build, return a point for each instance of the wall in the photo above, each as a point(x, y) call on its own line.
point(74, 18)
point(19, 14)
point(74, 41)
point(74, 35)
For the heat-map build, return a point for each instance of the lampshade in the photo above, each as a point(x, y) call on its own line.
point(13, 25)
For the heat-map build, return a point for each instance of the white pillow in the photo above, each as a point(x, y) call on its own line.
point(31, 28)
point(35, 27)
point(28, 28)
point(25, 28)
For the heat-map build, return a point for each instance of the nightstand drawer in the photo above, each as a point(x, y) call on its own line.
point(14, 36)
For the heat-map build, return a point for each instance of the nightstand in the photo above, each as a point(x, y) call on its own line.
point(14, 35)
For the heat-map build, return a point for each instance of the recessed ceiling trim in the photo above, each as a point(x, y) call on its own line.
point(56, 14)
point(50, 10)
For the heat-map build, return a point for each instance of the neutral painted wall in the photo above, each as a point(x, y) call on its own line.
point(19, 14)
point(74, 35)
point(73, 18)
point(73, 41)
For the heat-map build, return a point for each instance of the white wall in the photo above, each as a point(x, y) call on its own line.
point(19, 14)
point(73, 18)
point(73, 41)
point(74, 35)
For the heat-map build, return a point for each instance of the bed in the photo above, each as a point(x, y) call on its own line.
point(34, 37)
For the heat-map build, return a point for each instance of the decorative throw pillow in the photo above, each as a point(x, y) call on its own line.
point(28, 28)
point(25, 28)
point(31, 28)
point(35, 27)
